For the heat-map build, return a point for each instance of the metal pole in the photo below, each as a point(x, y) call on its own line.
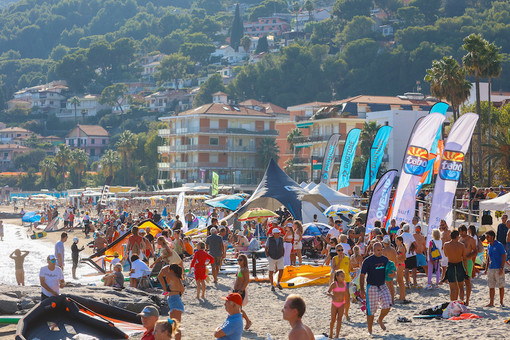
point(470, 181)
point(370, 174)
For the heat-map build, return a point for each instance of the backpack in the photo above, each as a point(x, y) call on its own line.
point(435, 254)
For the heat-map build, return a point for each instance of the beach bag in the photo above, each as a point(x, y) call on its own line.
point(435, 254)
point(455, 308)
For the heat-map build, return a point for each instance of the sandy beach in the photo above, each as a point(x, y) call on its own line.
point(264, 309)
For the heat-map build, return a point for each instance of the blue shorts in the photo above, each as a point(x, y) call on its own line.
point(507, 248)
point(175, 303)
point(421, 260)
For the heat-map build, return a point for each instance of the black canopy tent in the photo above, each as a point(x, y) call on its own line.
point(277, 189)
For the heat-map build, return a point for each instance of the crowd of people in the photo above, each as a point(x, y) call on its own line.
point(374, 269)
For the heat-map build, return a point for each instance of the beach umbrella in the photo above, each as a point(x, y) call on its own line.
point(31, 217)
point(338, 209)
point(230, 202)
point(315, 229)
point(255, 214)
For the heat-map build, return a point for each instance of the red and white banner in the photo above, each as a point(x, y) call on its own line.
point(450, 169)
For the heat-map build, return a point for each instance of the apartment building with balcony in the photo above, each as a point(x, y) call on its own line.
point(91, 138)
point(274, 25)
point(219, 137)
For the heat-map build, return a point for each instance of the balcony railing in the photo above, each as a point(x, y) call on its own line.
point(311, 139)
point(205, 147)
point(163, 166)
point(164, 149)
point(232, 131)
point(202, 165)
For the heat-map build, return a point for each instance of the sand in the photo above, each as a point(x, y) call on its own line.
point(264, 309)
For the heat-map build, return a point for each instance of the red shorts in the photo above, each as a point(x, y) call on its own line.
point(200, 273)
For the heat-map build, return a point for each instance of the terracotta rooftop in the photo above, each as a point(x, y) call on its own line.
point(224, 109)
point(93, 130)
point(268, 107)
point(14, 129)
point(12, 146)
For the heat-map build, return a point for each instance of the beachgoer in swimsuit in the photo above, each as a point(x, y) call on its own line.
point(339, 293)
point(19, 258)
point(341, 262)
point(199, 262)
point(455, 274)
point(241, 284)
point(401, 258)
point(170, 278)
point(288, 241)
point(471, 252)
point(391, 254)
point(298, 240)
point(293, 312)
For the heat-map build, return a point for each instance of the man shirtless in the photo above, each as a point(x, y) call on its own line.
point(293, 311)
point(455, 274)
point(445, 237)
point(471, 251)
point(391, 254)
point(421, 248)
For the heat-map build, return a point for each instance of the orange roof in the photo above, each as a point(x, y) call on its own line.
point(224, 109)
point(268, 107)
point(219, 93)
point(14, 129)
point(93, 130)
point(13, 146)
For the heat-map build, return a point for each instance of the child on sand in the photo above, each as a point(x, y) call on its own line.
point(199, 262)
point(19, 258)
point(337, 291)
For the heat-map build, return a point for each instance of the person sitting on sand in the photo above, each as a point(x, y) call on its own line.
point(377, 293)
point(138, 270)
point(241, 283)
point(199, 262)
point(293, 311)
point(19, 258)
point(339, 293)
point(166, 329)
point(232, 328)
point(170, 278)
point(75, 253)
point(455, 274)
point(115, 279)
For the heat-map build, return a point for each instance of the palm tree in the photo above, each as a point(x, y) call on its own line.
point(296, 7)
point(126, 145)
point(292, 138)
point(79, 160)
point(501, 150)
point(62, 158)
point(492, 63)
point(290, 168)
point(367, 137)
point(473, 61)
point(309, 7)
point(48, 168)
point(75, 101)
point(110, 163)
point(267, 150)
point(448, 81)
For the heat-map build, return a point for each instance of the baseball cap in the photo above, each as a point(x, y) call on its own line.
point(75, 240)
point(235, 298)
point(149, 311)
point(51, 258)
point(116, 253)
point(386, 239)
point(276, 230)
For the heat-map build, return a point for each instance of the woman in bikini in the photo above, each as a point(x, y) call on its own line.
point(170, 278)
point(298, 240)
point(401, 257)
point(342, 263)
point(241, 283)
point(337, 291)
point(199, 262)
point(288, 241)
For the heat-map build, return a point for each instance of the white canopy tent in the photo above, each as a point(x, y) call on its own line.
point(331, 195)
point(501, 203)
point(310, 186)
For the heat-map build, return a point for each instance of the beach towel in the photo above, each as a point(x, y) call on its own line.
point(465, 316)
point(436, 310)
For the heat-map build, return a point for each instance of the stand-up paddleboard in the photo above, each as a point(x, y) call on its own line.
point(37, 235)
point(52, 225)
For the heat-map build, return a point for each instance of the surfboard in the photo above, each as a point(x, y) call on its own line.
point(10, 319)
point(37, 235)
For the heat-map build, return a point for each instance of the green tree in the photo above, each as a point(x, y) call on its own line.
point(453, 8)
point(262, 45)
point(358, 28)
point(114, 95)
point(292, 137)
point(75, 101)
point(473, 61)
point(367, 137)
point(74, 69)
point(447, 80)
point(309, 6)
point(267, 149)
point(125, 146)
point(429, 8)
point(63, 158)
point(199, 53)
point(79, 160)
point(48, 169)
point(246, 43)
point(173, 68)
point(410, 16)
point(237, 30)
point(500, 150)
point(29, 159)
point(210, 86)
point(110, 163)
point(388, 6)
point(268, 8)
point(360, 53)
point(296, 8)
point(348, 9)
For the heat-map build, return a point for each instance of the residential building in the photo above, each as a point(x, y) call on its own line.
point(169, 100)
point(278, 111)
point(228, 55)
point(218, 137)
point(88, 106)
point(46, 98)
point(274, 25)
point(7, 135)
point(319, 14)
point(7, 154)
point(91, 138)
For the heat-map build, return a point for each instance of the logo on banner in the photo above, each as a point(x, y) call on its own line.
point(330, 159)
point(451, 165)
point(416, 161)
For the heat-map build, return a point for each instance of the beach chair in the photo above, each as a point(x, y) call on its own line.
point(145, 281)
point(189, 278)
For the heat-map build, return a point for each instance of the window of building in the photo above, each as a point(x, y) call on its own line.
point(92, 152)
point(6, 155)
point(104, 141)
point(266, 125)
point(213, 141)
point(213, 158)
point(92, 141)
point(240, 142)
point(214, 124)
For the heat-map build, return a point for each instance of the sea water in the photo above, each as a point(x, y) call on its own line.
point(17, 237)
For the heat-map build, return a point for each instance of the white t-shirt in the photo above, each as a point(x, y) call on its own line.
point(115, 261)
point(59, 249)
point(408, 240)
point(334, 233)
point(51, 278)
point(140, 268)
point(346, 247)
